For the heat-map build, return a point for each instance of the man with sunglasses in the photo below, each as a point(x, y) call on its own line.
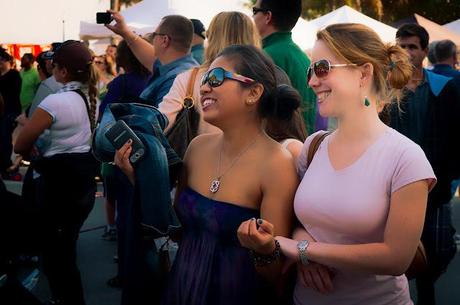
point(429, 114)
point(167, 56)
point(275, 19)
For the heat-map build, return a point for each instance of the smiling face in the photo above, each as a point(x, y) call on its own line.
point(339, 92)
point(413, 47)
point(227, 101)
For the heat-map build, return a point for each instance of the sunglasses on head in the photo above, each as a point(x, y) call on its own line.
point(216, 77)
point(322, 67)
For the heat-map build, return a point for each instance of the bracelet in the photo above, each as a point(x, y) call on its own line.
point(262, 260)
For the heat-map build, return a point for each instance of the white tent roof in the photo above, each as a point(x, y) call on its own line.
point(304, 34)
point(436, 31)
point(346, 14)
point(45, 21)
point(146, 15)
point(454, 26)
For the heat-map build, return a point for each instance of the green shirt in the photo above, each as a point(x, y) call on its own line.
point(30, 83)
point(289, 57)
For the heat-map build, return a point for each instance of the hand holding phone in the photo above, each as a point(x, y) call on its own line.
point(119, 134)
point(103, 18)
point(119, 27)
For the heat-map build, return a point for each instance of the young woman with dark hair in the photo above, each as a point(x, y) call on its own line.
point(229, 177)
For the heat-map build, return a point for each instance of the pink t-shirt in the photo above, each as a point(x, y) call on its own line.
point(350, 206)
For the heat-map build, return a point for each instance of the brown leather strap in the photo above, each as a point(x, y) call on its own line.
point(314, 145)
point(189, 101)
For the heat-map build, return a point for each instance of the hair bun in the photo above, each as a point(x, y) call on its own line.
point(287, 101)
point(399, 66)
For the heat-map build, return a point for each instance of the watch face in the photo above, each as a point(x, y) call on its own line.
point(302, 245)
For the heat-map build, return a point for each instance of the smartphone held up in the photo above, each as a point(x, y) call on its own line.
point(103, 18)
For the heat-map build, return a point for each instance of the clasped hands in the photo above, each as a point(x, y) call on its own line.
point(258, 235)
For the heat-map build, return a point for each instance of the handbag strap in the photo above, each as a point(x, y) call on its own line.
point(189, 101)
point(85, 100)
point(314, 145)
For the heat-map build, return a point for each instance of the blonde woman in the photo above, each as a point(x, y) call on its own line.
point(225, 29)
point(363, 198)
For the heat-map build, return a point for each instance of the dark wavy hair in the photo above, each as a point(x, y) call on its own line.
point(277, 101)
point(126, 59)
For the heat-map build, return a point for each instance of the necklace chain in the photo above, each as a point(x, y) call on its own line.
point(215, 184)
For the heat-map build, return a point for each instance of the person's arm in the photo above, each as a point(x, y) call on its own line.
point(279, 183)
point(171, 104)
point(143, 50)
point(39, 122)
point(295, 148)
point(393, 255)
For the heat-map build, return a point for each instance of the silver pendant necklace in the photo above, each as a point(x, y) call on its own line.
point(215, 184)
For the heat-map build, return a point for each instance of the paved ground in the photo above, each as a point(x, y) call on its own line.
point(96, 263)
point(95, 257)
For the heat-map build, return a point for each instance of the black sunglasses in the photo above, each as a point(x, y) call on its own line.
point(216, 77)
point(322, 67)
point(256, 10)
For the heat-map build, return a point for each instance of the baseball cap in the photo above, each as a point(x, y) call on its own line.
point(198, 28)
point(73, 55)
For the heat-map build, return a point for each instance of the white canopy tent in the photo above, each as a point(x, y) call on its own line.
point(46, 21)
point(304, 34)
point(344, 14)
point(436, 31)
point(146, 15)
point(454, 26)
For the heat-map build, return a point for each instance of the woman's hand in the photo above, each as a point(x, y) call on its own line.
point(122, 160)
point(257, 235)
point(315, 276)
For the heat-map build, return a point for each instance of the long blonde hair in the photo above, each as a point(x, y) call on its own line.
point(358, 44)
point(229, 28)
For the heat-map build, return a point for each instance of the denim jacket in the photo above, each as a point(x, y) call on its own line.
point(152, 181)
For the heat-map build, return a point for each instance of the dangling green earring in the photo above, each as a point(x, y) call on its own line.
point(367, 103)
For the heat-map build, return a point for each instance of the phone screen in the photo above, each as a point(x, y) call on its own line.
point(119, 134)
point(103, 18)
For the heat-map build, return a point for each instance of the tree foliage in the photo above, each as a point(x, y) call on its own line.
point(388, 11)
point(116, 4)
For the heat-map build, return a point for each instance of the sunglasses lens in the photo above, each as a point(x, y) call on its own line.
point(322, 68)
point(216, 77)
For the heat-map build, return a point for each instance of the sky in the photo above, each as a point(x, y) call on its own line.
point(41, 21)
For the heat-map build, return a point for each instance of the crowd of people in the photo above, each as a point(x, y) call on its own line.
point(263, 206)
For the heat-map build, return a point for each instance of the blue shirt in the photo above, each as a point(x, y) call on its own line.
point(198, 53)
point(446, 70)
point(163, 78)
point(123, 88)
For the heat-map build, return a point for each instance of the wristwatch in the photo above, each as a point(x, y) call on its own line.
point(302, 247)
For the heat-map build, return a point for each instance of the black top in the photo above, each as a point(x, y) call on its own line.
point(10, 88)
point(432, 121)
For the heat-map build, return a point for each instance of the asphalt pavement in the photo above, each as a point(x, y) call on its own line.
point(95, 258)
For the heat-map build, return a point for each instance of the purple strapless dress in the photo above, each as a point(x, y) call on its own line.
point(211, 267)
